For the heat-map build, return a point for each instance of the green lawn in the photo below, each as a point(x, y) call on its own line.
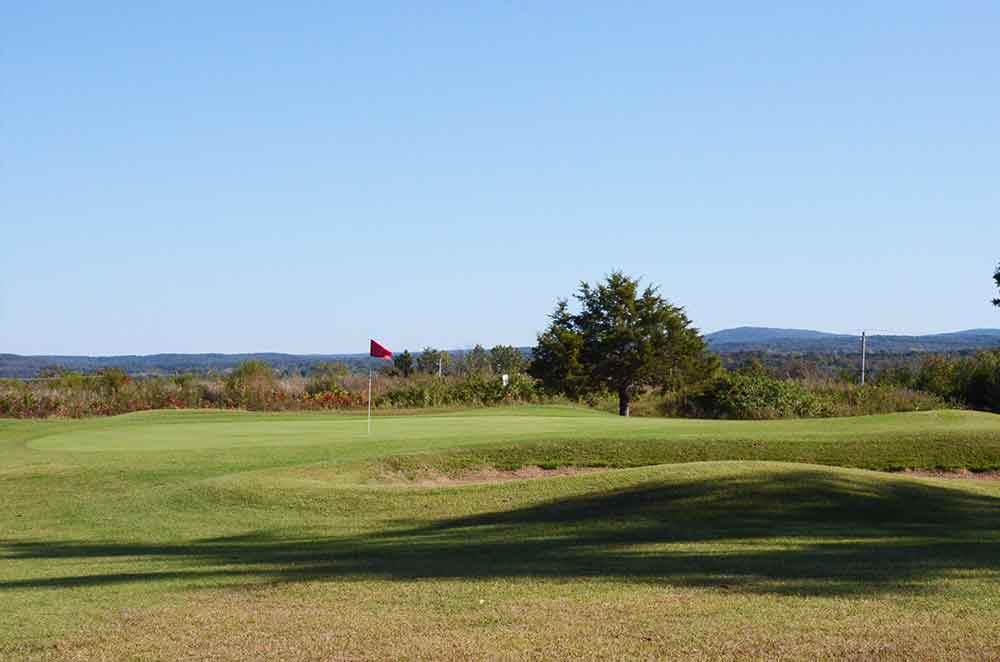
point(230, 536)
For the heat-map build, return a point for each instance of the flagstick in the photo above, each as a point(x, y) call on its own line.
point(369, 400)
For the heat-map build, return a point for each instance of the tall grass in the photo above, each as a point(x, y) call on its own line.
point(252, 386)
point(754, 394)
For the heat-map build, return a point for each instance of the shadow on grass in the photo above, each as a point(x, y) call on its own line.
point(804, 532)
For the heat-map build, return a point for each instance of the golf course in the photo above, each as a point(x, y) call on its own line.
point(501, 533)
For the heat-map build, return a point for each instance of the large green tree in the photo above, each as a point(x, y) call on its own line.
point(624, 339)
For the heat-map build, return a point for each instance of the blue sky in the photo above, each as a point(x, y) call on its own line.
point(303, 176)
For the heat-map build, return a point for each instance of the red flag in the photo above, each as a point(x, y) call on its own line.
point(380, 352)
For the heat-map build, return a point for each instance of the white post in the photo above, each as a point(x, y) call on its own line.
point(369, 400)
point(864, 348)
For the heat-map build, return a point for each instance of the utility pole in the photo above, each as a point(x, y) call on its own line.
point(864, 349)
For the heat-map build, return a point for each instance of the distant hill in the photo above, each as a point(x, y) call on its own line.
point(728, 341)
point(15, 366)
point(789, 341)
point(745, 334)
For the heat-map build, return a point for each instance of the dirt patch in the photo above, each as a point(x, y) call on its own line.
point(480, 475)
point(964, 474)
point(32, 470)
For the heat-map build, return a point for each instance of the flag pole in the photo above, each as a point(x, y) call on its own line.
point(375, 351)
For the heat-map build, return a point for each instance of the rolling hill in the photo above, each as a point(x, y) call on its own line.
point(762, 339)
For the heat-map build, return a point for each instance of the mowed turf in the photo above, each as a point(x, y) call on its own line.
point(231, 536)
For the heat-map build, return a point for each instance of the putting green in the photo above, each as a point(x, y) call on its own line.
point(170, 431)
point(149, 433)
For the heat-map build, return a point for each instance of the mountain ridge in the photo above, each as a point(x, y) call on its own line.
point(780, 340)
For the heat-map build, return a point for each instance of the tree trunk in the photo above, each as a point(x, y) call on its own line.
point(623, 403)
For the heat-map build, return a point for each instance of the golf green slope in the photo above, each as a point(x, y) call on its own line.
point(542, 434)
point(231, 536)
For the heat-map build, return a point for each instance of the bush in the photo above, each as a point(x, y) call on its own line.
point(977, 381)
point(252, 385)
point(474, 390)
point(755, 396)
point(973, 380)
point(336, 399)
point(328, 378)
point(113, 380)
point(748, 395)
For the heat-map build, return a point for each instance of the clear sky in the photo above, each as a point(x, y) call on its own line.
point(299, 177)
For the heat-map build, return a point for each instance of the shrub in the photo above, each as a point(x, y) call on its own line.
point(840, 399)
point(113, 380)
point(252, 385)
point(748, 394)
point(211, 394)
point(327, 378)
point(755, 396)
point(972, 380)
point(473, 390)
point(338, 399)
point(977, 381)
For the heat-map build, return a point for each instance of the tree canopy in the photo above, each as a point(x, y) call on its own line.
point(403, 363)
point(506, 359)
point(432, 360)
point(624, 339)
point(477, 361)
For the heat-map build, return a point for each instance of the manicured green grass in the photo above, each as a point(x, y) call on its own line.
point(226, 535)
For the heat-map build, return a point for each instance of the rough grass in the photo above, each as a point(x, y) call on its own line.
point(232, 537)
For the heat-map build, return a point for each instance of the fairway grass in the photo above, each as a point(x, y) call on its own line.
point(232, 536)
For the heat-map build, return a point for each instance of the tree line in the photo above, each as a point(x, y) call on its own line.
point(500, 360)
